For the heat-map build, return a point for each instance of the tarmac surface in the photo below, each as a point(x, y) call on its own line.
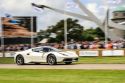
point(62, 66)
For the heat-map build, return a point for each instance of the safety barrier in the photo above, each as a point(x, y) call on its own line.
point(86, 52)
point(6, 54)
point(100, 52)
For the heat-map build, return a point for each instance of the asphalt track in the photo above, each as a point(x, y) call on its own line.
point(62, 66)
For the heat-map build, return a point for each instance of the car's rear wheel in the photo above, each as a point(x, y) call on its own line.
point(51, 59)
point(19, 60)
point(67, 63)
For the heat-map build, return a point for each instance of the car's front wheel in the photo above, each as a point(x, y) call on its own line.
point(19, 60)
point(51, 59)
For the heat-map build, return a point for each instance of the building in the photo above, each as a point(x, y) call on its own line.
point(119, 17)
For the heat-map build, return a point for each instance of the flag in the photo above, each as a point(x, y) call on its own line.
point(36, 9)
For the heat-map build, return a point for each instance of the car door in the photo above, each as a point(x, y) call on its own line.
point(46, 51)
point(37, 55)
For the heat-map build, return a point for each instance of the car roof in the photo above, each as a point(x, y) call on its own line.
point(43, 47)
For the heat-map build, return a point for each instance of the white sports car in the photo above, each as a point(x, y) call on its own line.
point(45, 54)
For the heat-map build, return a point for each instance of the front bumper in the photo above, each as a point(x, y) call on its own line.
point(70, 59)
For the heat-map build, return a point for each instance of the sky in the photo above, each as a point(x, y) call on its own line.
point(48, 17)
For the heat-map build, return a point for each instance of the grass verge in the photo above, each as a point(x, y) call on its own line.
point(61, 76)
point(102, 60)
point(6, 60)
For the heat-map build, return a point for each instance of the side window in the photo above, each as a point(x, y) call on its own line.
point(36, 49)
point(42, 49)
point(47, 49)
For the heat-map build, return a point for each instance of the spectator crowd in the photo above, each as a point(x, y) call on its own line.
point(71, 45)
point(98, 45)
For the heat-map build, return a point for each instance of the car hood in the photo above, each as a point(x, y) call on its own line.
point(69, 53)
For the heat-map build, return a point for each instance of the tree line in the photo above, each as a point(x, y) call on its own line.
point(75, 31)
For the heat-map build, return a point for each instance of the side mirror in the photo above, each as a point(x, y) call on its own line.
point(33, 50)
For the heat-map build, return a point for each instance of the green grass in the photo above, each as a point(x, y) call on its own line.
point(82, 60)
point(102, 60)
point(6, 60)
point(61, 76)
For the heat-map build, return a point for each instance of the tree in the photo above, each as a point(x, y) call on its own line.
point(100, 33)
point(74, 30)
point(90, 34)
point(43, 34)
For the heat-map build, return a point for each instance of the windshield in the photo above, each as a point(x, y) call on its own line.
point(55, 49)
point(46, 49)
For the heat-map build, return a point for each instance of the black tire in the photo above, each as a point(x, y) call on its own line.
point(68, 63)
point(19, 60)
point(51, 59)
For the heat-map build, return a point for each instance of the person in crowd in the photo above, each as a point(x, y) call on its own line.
point(109, 45)
point(115, 45)
point(85, 45)
point(94, 45)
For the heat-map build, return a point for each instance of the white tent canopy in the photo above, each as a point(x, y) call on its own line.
point(45, 40)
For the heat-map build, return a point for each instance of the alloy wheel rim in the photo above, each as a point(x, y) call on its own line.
point(19, 60)
point(51, 60)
